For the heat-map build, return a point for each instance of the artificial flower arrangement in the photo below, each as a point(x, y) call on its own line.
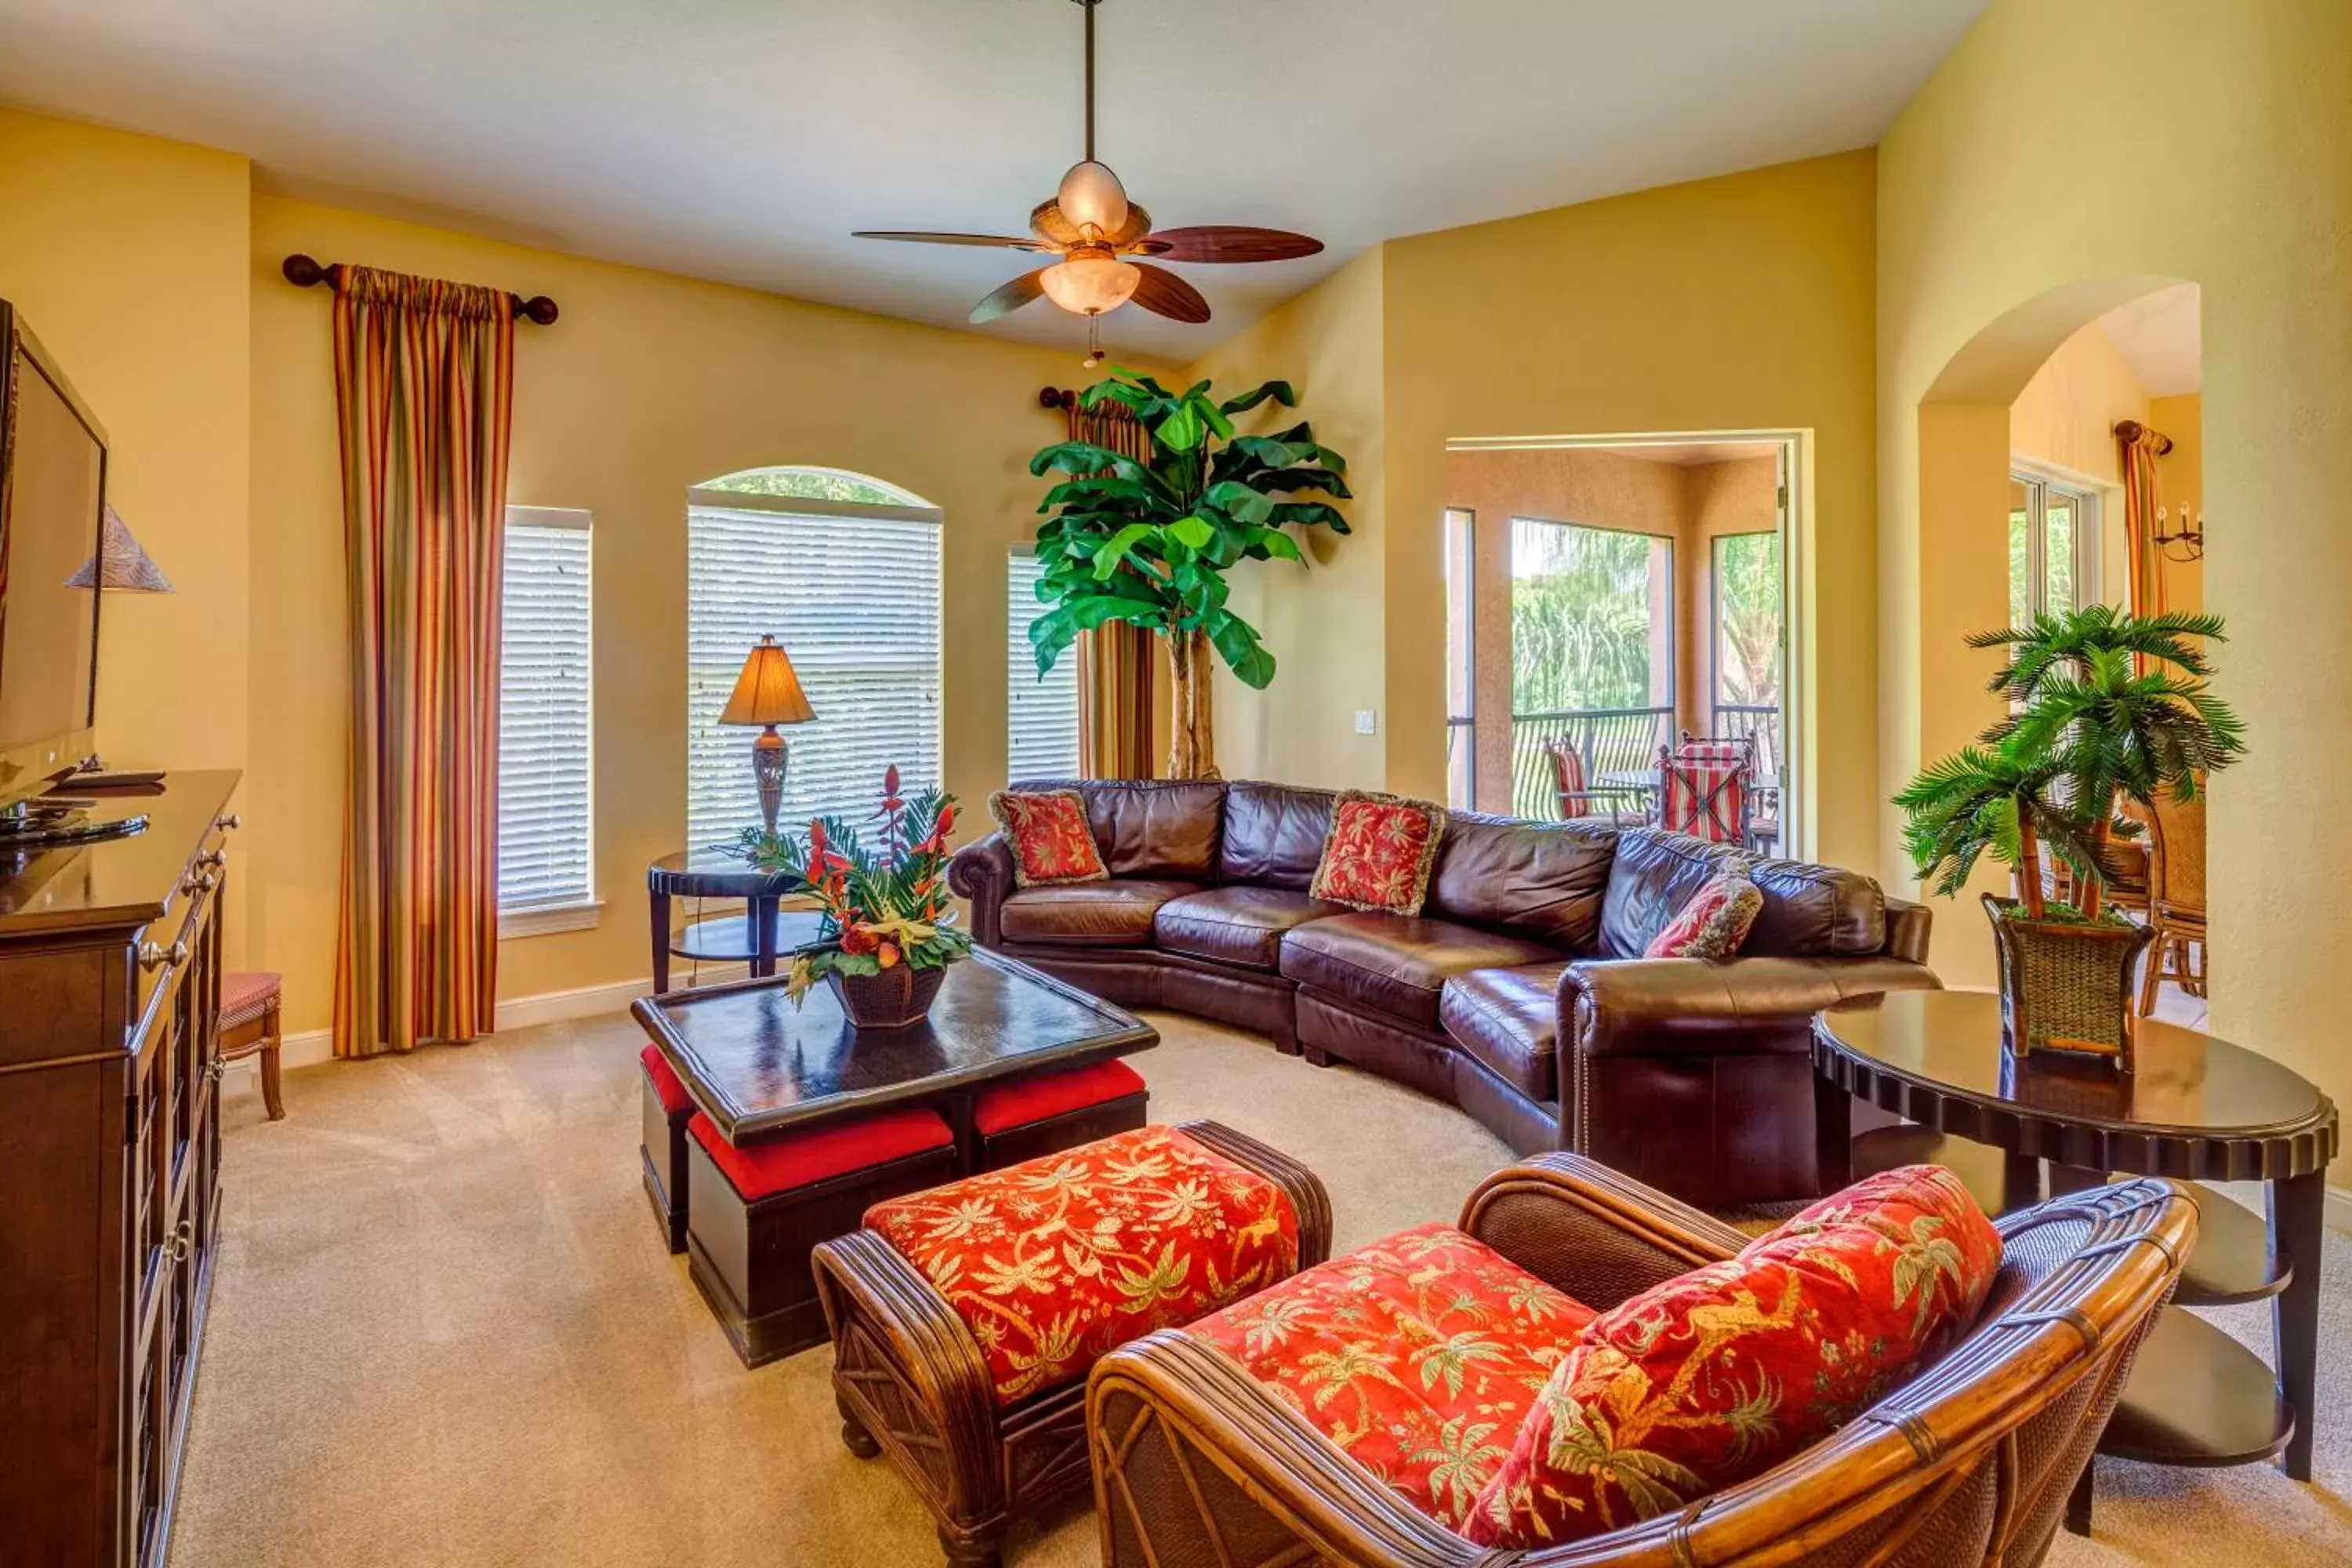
point(885, 908)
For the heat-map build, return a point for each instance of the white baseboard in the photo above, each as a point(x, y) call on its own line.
point(312, 1047)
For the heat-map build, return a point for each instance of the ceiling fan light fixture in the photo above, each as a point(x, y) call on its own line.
point(1092, 198)
point(1090, 282)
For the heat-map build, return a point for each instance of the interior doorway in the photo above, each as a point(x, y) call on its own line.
point(1608, 596)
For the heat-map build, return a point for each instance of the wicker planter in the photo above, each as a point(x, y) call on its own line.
point(2065, 985)
point(898, 998)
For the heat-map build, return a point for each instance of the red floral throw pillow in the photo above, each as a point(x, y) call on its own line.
point(1721, 1374)
point(1050, 840)
point(1379, 852)
point(1714, 923)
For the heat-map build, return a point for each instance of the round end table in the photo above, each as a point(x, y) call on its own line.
point(2194, 1108)
point(764, 934)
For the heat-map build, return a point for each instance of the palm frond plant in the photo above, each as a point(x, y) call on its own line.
point(1150, 542)
point(2107, 707)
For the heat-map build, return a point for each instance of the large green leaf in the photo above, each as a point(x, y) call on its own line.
point(1279, 390)
point(1182, 431)
point(1193, 533)
point(1117, 547)
point(1236, 643)
point(1241, 502)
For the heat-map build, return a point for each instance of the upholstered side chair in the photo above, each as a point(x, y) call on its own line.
point(1972, 1462)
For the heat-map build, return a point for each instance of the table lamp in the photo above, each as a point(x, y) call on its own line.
point(768, 694)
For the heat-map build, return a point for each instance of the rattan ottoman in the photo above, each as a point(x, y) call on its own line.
point(964, 1319)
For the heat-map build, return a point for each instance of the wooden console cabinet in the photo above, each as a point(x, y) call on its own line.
point(110, 1173)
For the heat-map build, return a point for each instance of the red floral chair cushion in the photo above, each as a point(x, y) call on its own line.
point(1053, 1263)
point(1379, 852)
point(1714, 923)
point(1419, 1355)
point(1718, 1374)
point(1047, 832)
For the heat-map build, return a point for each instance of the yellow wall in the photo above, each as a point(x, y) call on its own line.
point(2040, 177)
point(127, 256)
point(1734, 497)
point(1324, 623)
point(2181, 481)
point(647, 385)
point(1740, 303)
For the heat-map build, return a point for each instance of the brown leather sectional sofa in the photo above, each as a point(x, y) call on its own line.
point(1518, 994)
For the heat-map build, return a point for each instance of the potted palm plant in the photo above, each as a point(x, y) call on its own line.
point(2106, 707)
point(1149, 542)
point(888, 932)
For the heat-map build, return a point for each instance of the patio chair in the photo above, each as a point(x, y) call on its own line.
point(1580, 800)
point(2175, 904)
point(1707, 787)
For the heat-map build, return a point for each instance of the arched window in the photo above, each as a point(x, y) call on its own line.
point(843, 570)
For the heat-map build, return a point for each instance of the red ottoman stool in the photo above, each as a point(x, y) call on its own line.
point(754, 1210)
point(965, 1319)
point(667, 1108)
point(1049, 1111)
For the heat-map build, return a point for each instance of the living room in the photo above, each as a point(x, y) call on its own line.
point(1928, 250)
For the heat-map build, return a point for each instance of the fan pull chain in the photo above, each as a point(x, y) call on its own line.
point(1094, 342)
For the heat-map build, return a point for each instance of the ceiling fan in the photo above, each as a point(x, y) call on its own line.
point(1092, 226)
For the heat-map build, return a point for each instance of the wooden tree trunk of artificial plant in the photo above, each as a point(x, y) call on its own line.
point(1191, 730)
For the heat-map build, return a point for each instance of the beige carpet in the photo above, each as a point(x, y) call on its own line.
point(445, 1333)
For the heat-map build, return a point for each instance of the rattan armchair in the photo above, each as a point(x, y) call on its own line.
point(1972, 1462)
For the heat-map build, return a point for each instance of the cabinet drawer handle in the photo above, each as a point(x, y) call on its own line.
point(153, 956)
point(180, 1238)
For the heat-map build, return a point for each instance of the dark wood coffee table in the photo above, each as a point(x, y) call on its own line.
point(2195, 1109)
point(758, 1067)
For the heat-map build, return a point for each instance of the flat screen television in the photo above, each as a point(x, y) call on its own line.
point(52, 511)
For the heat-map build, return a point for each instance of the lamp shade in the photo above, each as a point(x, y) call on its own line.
point(767, 692)
point(119, 565)
point(1090, 282)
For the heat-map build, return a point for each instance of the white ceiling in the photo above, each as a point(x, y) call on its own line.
point(2162, 337)
point(742, 139)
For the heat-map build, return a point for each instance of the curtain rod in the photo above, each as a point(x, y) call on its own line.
point(2132, 429)
point(305, 272)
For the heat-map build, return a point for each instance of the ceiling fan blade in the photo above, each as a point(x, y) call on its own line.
point(1010, 297)
point(921, 237)
point(1163, 294)
point(1226, 242)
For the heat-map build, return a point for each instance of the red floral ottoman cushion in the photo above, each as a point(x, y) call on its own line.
point(1046, 831)
point(1053, 1263)
point(1379, 852)
point(1720, 1373)
point(1419, 1355)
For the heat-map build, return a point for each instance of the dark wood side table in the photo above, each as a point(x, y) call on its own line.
point(2195, 1109)
point(765, 932)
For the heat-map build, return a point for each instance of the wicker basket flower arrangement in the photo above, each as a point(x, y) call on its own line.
point(888, 932)
point(2105, 707)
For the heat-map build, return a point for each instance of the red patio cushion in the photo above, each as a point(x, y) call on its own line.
point(1057, 1261)
point(667, 1088)
point(779, 1164)
point(1046, 1095)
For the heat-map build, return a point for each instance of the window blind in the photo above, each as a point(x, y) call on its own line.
point(544, 851)
point(851, 591)
point(1041, 716)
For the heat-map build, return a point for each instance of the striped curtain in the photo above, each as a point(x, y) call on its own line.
point(2139, 447)
point(424, 387)
point(1115, 661)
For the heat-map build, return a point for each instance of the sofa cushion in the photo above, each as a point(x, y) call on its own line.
point(1047, 832)
point(1418, 1356)
point(1380, 852)
point(1721, 1374)
point(1117, 913)
point(1655, 873)
point(1397, 964)
point(1147, 827)
point(1543, 879)
point(1241, 925)
point(1056, 1262)
point(1508, 1019)
point(1274, 835)
point(1816, 912)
